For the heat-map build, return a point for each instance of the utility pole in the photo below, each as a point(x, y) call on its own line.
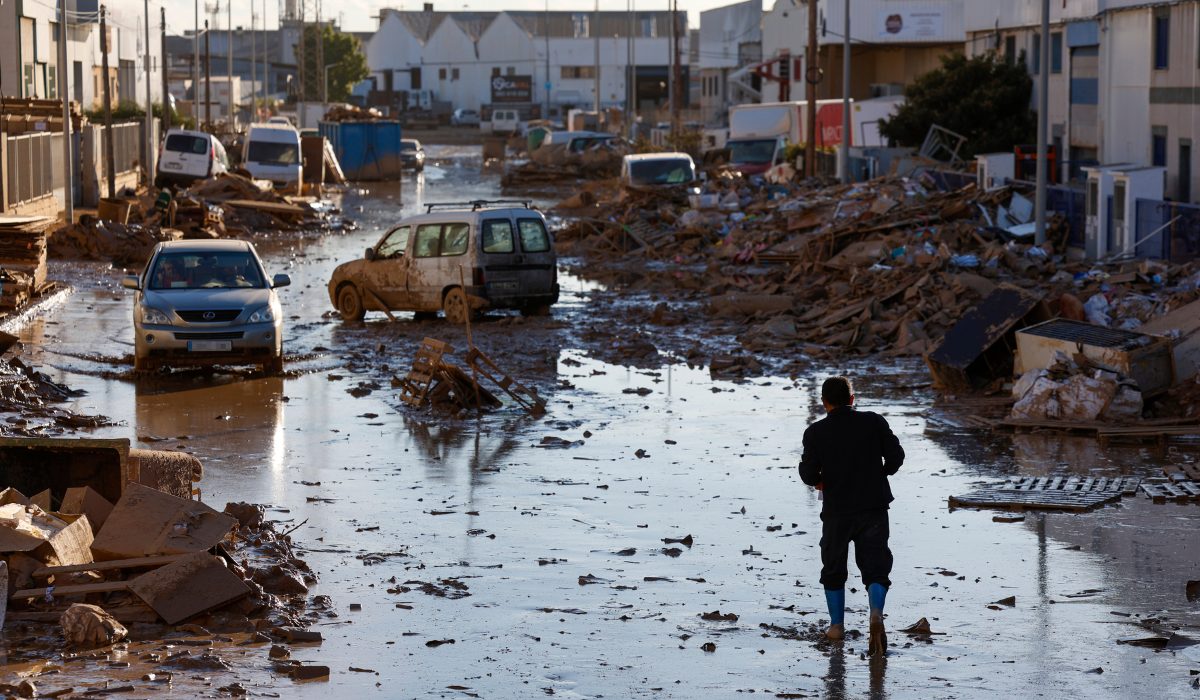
point(671, 63)
point(63, 92)
point(267, 54)
point(548, 79)
point(196, 68)
point(633, 68)
point(109, 159)
point(811, 71)
point(229, 63)
point(628, 69)
point(207, 79)
point(1039, 236)
point(596, 68)
point(677, 92)
point(253, 72)
point(166, 79)
point(150, 164)
point(847, 131)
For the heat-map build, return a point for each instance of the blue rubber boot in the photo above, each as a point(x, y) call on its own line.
point(877, 647)
point(836, 600)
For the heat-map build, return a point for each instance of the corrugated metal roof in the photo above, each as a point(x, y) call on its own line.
point(563, 24)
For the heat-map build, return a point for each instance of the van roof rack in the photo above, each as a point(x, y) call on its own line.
point(478, 204)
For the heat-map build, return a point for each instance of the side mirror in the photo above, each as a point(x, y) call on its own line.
point(281, 281)
point(131, 282)
point(370, 254)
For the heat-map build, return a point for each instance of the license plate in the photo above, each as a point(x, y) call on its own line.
point(210, 345)
point(172, 166)
point(504, 286)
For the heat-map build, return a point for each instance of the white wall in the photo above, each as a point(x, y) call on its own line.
point(722, 29)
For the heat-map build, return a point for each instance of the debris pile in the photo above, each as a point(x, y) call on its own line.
point(25, 393)
point(99, 239)
point(22, 258)
point(556, 163)
point(435, 382)
point(884, 266)
point(351, 113)
point(34, 115)
point(1073, 392)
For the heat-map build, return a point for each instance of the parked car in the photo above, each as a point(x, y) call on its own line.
point(420, 118)
point(272, 152)
point(657, 169)
point(280, 119)
point(412, 155)
point(577, 141)
point(203, 302)
point(187, 156)
point(464, 117)
point(505, 121)
point(505, 253)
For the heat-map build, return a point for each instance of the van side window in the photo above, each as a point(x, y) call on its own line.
point(533, 236)
point(428, 238)
point(497, 236)
point(394, 245)
point(455, 238)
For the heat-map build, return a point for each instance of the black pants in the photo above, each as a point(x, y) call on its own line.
point(868, 530)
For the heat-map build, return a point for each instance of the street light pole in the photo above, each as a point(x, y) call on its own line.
point(1039, 236)
point(150, 164)
point(847, 131)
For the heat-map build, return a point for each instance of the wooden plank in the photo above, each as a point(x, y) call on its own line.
point(420, 378)
point(108, 565)
point(382, 306)
point(1154, 493)
point(439, 345)
point(123, 614)
point(1071, 484)
point(1087, 484)
point(1101, 483)
point(1192, 488)
point(56, 591)
point(1054, 483)
point(193, 585)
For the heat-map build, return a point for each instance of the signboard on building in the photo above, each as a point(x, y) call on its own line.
point(512, 88)
point(910, 24)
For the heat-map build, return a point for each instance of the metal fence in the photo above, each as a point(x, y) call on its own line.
point(1070, 202)
point(35, 167)
point(127, 146)
point(1179, 242)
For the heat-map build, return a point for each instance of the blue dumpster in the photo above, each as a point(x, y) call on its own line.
point(365, 150)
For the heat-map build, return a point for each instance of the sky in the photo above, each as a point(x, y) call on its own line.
point(359, 15)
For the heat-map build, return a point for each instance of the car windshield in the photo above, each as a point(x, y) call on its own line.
point(752, 151)
point(408, 145)
point(273, 153)
point(533, 235)
point(660, 172)
point(186, 143)
point(202, 270)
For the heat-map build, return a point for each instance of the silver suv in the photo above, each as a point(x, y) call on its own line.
point(503, 254)
point(207, 303)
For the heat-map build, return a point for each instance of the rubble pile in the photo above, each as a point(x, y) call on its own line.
point(25, 393)
point(351, 113)
point(554, 163)
point(1073, 392)
point(884, 266)
point(100, 239)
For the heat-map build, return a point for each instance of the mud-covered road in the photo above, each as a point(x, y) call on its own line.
point(547, 567)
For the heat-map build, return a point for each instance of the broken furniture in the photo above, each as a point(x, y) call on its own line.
point(979, 349)
point(433, 379)
point(1147, 359)
point(1178, 492)
point(1075, 494)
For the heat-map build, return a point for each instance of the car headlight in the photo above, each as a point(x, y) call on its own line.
point(153, 316)
point(263, 315)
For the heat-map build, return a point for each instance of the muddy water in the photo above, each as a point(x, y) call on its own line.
point(523, 524)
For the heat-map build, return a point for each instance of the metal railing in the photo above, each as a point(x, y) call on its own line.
point(127, 146)
point(35, 167)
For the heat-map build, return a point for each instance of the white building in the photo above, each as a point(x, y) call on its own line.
point(539, 58)
point(29, 35)
point(730, 38)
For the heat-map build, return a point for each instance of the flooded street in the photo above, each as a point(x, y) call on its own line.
point(547, 567)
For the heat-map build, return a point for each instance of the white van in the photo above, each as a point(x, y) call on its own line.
point(505, 121)
point(657, 169)
point(187, 156)
point(272, 152)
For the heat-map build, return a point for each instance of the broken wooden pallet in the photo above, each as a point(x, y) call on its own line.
point(1124, 485)
point(416, 384)
point(529, 400)
point(1185, 471)
point(1074, 501)
point(1180, 492)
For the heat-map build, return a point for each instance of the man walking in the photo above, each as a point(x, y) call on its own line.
point(850, 454)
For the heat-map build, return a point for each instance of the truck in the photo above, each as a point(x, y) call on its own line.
point(759, 133)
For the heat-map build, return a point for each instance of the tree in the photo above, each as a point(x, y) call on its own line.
point(344, 52)
point(982, 98)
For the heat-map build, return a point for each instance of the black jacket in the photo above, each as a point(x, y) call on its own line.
point(853, 453)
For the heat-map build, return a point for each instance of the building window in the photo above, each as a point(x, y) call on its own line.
point(1056, 52)
point(649, 27)
point(416, 78)
point(495, 71)
point(77, 83)
point(580, 21)
point(1037, 53)
point(454, 74)
point(1010, 50)
point(52, 82)
point(1162, 37)
point(441, 73)
point(1184, 193)
point(577, 72)
point(511, 70)
point(1158, 146)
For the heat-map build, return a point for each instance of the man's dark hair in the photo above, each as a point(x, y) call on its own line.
point(837, 391)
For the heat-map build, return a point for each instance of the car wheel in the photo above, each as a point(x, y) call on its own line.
point(350, 304)
point(536, 310)
point(273, 367)
point(454, 306)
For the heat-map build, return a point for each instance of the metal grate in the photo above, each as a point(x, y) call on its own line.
point(199, 316)
point(230, 335)
point(1085, 333)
